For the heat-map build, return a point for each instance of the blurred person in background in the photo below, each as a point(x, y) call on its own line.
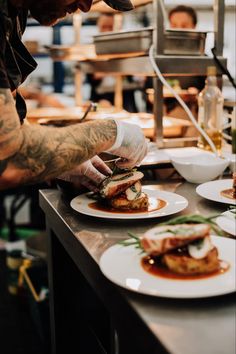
point(102, 85)
point(184, 18)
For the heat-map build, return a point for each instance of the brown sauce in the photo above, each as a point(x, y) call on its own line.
point(153, 266)
point(228, 193)
point(153, 205)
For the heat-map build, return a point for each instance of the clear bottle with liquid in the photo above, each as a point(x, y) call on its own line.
point(210, 111)
point(233, 130)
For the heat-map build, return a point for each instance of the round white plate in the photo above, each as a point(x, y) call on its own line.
point(211, 190)
point(174, 204)
point(227, 223)
point(122, 266)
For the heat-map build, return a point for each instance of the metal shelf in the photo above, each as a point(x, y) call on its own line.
point(140, 65)
point(170, 65)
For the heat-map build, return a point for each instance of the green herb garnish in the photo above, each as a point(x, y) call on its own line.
point(198, 243)
point(133, 189)
point(195, 219)
point(133, 241)
point(183, 219)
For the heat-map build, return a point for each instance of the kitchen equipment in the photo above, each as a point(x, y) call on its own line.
point(91, 108)
point(177, 42)
point(75, 52)
point(172, 127)
point(203, 168)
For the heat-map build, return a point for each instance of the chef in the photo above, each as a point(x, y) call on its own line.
point(32, 153)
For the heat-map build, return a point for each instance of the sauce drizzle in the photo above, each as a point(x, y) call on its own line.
point(228, 193)
point(153, 266)
point(153, 205)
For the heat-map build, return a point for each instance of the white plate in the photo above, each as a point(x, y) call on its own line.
point(174, 204)
point(122, 266)
point(226, 223)
point(211, 190)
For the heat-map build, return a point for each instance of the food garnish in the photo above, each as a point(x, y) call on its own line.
point(182, 219)
point(182, 245)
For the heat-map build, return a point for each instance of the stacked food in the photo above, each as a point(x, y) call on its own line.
point(184, 249)
point(124, 191)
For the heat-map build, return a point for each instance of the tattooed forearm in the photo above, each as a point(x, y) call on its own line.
point(43, 153)
point(48, 152)
point(10, 136)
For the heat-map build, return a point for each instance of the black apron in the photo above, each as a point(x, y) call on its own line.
point(18, 61)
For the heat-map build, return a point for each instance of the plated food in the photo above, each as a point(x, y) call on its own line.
point(161, 204)
point(124, 192)
point(221, 191)
point(184, 249)
point(181, 248)
point(124, 267)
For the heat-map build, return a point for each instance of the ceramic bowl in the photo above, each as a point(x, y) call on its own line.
point(200, 168)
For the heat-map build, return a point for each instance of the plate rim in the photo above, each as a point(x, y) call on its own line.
point(219, 291)
point(122, 216)
point(220, 217)
point(222, 201)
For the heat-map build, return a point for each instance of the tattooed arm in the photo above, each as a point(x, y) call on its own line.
point(32, 153)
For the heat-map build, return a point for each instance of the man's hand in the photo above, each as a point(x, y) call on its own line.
point(89, 174)
point(130, 145)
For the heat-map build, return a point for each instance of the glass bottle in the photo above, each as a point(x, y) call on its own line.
point(233, 131)
point(210, 111)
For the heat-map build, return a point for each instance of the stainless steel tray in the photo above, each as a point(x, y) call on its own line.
point(123, 41)
point(182, 42)
point(177, 42)
point(73, 52)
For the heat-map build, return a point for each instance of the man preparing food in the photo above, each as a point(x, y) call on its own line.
point(32, 154)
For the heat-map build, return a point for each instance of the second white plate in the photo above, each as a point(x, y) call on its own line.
point(122, 265)
point(174, 204)
point(212, 190)
point(226, 223)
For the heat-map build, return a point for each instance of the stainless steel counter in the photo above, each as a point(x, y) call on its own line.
point(142, 323)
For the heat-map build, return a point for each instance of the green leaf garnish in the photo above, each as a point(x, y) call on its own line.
point(195, 219)
point(133, 241)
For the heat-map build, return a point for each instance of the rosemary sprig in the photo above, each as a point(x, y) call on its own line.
point(195, 219)
point(183, 219)
point(133, 241)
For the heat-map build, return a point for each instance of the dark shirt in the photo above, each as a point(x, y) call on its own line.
point(15, 61)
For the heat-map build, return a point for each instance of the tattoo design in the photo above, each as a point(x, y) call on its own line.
point(38, 153)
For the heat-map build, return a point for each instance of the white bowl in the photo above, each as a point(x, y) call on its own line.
point(200, 168)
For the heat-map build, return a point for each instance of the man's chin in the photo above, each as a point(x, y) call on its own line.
point(46, 21)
